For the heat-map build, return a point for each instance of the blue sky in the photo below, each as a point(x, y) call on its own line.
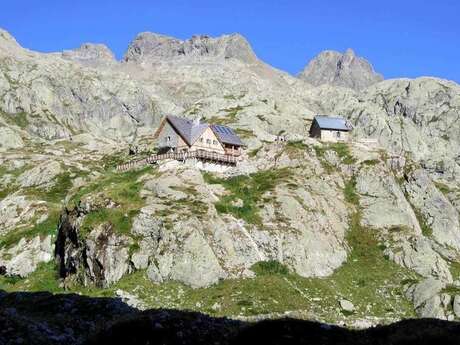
point(400, 38)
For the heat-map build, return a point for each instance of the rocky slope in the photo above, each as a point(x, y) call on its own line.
point(361, 233)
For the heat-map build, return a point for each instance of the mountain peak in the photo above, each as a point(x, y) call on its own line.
point(152, 47)
point(334, 68)
point(91, 54)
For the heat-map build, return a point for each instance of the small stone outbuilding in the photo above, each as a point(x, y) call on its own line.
point(330, 128)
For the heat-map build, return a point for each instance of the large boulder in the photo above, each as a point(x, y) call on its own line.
point(24, 257)
point(194, 264)
point(40, 176)
point(426, 298)
point(18, 210)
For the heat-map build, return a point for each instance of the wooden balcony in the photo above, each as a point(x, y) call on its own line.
point(233, 152)
point(209, 156)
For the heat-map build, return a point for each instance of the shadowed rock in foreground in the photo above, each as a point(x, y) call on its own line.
point(43, 318)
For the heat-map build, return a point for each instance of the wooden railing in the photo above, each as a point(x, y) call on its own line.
point(233, 152)
point(200, 154)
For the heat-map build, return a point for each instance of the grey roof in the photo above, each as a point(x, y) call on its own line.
point(333, 122)
point(191, 131)
point(226, 135)
point(187, 129)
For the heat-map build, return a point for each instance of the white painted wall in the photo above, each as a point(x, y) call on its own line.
point(334, 136)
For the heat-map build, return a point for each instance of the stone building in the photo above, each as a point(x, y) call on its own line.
point(330, 128)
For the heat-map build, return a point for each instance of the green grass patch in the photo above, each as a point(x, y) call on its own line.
point(57, 193)
point(121, 221)
point(249, 189)
point(443, 188)
point(426, 229)
point(350, 192)
point(254, 152)
point(298, 145)
point(229, 117)
point(112, 160)
point(244, 133)
point(269, 267)
point(343, 151)
point(18, 119)
point(293, 148)
point(455, 270)
point(121, 188)
point(451, 290)
point(44, 278)
point(371, 162)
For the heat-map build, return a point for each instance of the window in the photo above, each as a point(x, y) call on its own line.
point(214, 142)
point(208, 141)
point(338, 135)
point(168, 138)
point(201, 140)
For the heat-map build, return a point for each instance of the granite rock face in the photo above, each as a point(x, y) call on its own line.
point(336, 69)
point(155, 48)
point(106, 255)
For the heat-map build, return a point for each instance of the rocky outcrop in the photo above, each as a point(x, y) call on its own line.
point(69, 247)
point(55, 97)
point(418, 117)
point(440, 218)
point(40, 176)
point(100, 258)
point(155, 48)
point(385, 207)
point(383, 202)
point(92, 55)
point(426, 299)
point(106, 255)
point(9, 139)
point(24, 257)
point(346, 70)
point(17, 211)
